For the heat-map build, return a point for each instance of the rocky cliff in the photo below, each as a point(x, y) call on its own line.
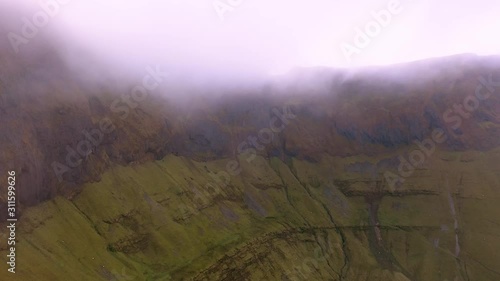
point(378, 174)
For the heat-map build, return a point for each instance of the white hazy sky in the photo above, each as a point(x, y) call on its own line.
point(271, 36)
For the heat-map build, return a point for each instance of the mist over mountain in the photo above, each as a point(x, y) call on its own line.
point(141, 144)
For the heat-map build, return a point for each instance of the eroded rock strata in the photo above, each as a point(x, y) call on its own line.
point(298, 179)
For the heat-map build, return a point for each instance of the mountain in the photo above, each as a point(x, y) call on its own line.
point(382, 173)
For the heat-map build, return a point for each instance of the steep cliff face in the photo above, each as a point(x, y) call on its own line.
point(372, 175)
point(47, 113)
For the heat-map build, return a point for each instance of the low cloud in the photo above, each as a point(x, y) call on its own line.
point(199, 41)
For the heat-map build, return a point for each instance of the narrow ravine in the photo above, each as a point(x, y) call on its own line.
point(451, 202)
point(383, 256)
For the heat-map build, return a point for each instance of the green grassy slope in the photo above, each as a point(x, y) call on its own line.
point(273, 221)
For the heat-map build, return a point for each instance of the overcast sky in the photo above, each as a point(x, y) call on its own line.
point(271, 36)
